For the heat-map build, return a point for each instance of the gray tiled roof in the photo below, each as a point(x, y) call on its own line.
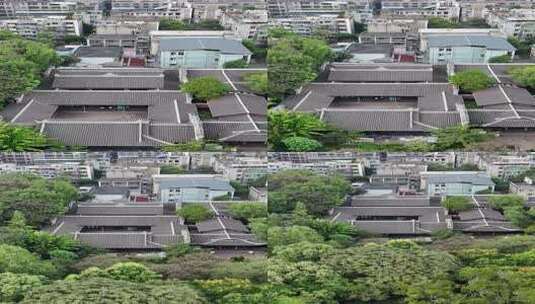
point(116, 209)
point(97, 52)
point(439, 102)
point(230, 105)
point(164, 230)
point(380, 73)
point(118, 78)
point(440, 119)
point(372, 120)
point(221, 130)
point(429, 219)
point(224, 231)
point(489, 42)
point(166, 118)
point(363, 201)
point(481, 213)
point(223, 45)
point(221, 223)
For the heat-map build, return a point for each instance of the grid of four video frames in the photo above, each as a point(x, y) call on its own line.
point(267, 151)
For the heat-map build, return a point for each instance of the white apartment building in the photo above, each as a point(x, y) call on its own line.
point(29, 27)
point(241, 169)
point(505, 166)
point(308, 25)
point(525, 189)
point(214, 9)
point(190, 188)
point(346, 168)
point(246, 25)
point(449, 9)
point(72, 170)
point(396, 24)
point(517, 22)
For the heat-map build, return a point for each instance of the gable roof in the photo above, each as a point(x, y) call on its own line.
point(342, 72)
point(108, 78)
point(166, 118)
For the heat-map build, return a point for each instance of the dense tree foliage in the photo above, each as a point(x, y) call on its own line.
point(19, 260)
point(23, 139)
point(36, 198)
point(294, 61)
point(472, 80)
point(524, 76)
point(193, 213)
point(101, 290)
point(248, 211)
point(21, 64)
point(301, 144)
point(205, 88)
point(125, 271)
point(456, 203)
point(257, 82)
point(514, 209)
point(14, 286)
point(459, 138)
point(285, 124)
point(318, 193)
point(322, 274)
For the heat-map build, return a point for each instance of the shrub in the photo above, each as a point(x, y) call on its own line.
point(472, 80)
point(194, 213)
point(205, 88)
point(301, 144)
point(456, 203)
point(235, 64)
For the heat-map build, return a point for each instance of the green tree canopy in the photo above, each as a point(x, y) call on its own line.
point(247, 211)
point(23, 139)
point(205, 88)
point(125, 271)
point(19, 260)
point(38, 199)
point(282, 236)
point(294, 61)
point(459, 138)
point(369, 273)
point(194, 213)
point(524, 76)
point(301, 144)
point(472, 80)
point(456, 203)
point(257, 82)
point(285, 124)
point(14, 286)
point(318, 193)
point(502, 202)
point(101, 290)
